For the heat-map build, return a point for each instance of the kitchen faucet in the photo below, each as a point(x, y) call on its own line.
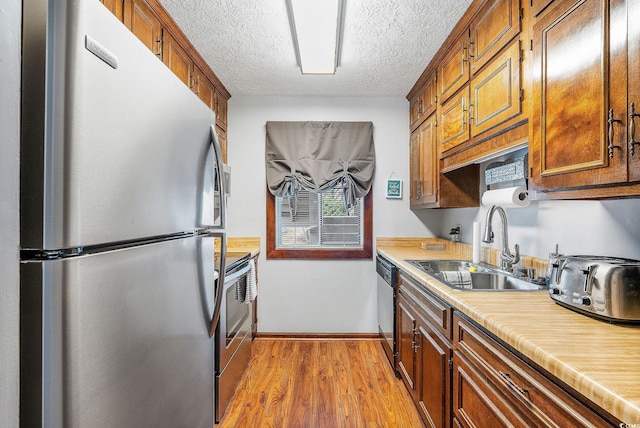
point(507, 260)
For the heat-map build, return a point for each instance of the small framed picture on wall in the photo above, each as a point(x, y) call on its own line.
point(394, 188)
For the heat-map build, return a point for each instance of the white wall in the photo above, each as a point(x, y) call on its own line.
point(609, 227)
point(10, 18)
point(338, 296)
point(322, 296)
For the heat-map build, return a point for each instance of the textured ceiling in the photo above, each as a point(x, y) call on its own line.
point(386, 44)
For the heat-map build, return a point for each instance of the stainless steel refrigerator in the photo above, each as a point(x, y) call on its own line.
point(122, 229)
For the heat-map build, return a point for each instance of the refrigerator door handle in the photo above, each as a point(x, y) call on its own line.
point(219, 282)
point(219, 177)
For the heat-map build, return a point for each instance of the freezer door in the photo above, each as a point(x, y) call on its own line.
point(122, 338)
point(115, 146)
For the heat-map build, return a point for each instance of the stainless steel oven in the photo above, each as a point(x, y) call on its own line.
point(386, 283)
point(233, 334)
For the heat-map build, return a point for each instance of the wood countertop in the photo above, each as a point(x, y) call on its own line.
point(244, 245)
point(600, 361)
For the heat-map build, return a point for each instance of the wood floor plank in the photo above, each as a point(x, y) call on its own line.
point(319, 383)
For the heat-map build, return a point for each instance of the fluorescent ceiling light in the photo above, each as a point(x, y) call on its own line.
point(316, 29)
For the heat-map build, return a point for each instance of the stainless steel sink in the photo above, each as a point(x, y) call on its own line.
point(464, 275)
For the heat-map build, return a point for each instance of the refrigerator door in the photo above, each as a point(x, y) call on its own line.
point(117, 145)
point(124, 338)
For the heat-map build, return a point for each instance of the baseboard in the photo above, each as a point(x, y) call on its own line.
point(317, 336)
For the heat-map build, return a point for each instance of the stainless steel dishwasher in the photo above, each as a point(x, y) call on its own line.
point(387, 293)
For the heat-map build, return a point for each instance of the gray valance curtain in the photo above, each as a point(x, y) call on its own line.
point(318, 156)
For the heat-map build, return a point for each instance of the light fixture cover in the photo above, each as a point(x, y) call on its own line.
point(316, 29)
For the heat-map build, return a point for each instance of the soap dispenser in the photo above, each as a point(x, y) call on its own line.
point(454, 234)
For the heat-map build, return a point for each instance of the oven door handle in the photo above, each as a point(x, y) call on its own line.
point(235, 275)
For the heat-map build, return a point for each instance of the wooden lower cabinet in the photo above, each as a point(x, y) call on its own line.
point(424, 351)
point(494, 387)
point(476, 402)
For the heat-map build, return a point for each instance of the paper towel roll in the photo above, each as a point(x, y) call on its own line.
point(510, 197)
point(476, 242)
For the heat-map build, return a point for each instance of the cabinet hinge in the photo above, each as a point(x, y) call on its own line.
point(521, 94)
point(530, 171)
point(530, 44)
point(451, 363)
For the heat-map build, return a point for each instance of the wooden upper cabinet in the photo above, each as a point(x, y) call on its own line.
point(221, 110)
point(579, 117)
point(116, 7)
point(177, 59)
point(496, 24)
point(144, 23)
point(453, 70)
point(415, 169)
point(454, 121)
point(633, 89)
point(203, 88)
point(222, 139)
point(424, 103)
point(424, 164)
point(495, 91)
point(537, 6)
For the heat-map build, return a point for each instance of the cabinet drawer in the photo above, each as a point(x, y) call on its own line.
point(536, 396)
point(477, 403)
point(436, 312)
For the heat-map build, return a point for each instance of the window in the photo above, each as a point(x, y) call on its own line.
point(319, 228)
point(313, 170)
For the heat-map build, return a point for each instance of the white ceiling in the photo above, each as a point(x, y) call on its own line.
point(386, 44)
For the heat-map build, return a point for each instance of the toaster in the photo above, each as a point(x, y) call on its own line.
point(607, 288)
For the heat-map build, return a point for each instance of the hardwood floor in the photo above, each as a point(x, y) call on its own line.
point(311, 383)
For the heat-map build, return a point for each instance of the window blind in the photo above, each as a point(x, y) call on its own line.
point(318, 156)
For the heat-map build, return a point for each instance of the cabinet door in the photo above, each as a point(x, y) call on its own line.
point(633, 88)
point(434, 389)
point(407, 330)
point(222, 139)
point(495, 91)
point(424, 103)
point(453, 70)
point(176, 58)
point(424, 164)
point(116, 7)
point(579, 84)
point(453, 124)
point(144, 23)
point(221, 110)
point(429, 161)
point(415, 111)
point(495, 25)
point(415, 169)
point(203, 87)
